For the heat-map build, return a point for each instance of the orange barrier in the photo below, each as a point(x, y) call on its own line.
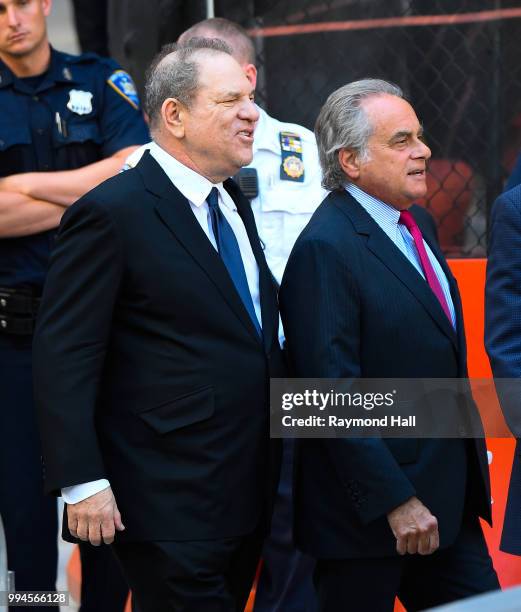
point(470, 274)
point(74, 575)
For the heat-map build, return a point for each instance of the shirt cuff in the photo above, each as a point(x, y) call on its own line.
point(77, 493)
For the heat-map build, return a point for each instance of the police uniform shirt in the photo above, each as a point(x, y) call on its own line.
point(81, 110)
point(284, 206)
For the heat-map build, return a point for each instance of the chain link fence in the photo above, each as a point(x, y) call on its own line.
point(457, 60)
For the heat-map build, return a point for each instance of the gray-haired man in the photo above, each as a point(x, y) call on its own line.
point(367, 293)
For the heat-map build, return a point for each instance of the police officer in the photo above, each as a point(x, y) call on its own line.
point(66, 124)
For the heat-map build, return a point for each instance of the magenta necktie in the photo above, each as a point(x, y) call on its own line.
point(408, 220)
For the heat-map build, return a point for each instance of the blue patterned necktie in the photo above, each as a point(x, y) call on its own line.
point(230, 253)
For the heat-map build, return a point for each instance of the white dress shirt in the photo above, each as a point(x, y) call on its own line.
point(195, 189)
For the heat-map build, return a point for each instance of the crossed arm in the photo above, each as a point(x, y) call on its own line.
point(34, 202)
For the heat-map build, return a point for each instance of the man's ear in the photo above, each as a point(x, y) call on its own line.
point(172, 114)
point(251, 74)
point(349, 162)
point(46, 7)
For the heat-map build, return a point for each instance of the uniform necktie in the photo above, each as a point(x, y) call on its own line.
point(407, 219)
point(230, 253)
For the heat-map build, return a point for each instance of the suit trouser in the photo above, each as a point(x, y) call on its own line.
point(511, 535)
point(30, 517)
point(193, 576)
point(285, 582)
point(370, 585)
point(103, 586)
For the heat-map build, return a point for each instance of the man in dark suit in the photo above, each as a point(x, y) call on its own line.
point(503, 339)
point(155, 343)
point(367, 294)
point(133, 31)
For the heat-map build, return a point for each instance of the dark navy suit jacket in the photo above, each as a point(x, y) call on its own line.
point(354, 306)
point(503, 337)
point(148, 368)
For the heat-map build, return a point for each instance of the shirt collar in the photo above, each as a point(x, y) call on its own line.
point(385, 215)
point(195, 187)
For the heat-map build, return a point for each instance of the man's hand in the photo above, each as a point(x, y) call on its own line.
point(415, 528)
point(96, 518)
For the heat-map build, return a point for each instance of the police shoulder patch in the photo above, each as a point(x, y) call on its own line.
point(122, 83)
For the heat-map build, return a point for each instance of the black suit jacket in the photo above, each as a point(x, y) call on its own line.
point(148, 370)
point(354, 306)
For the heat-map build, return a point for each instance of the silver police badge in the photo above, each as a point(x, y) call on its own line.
point(80, 102)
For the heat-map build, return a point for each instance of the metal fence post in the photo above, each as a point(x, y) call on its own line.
point(6, 577)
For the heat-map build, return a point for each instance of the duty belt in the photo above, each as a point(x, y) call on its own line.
point(18, 309)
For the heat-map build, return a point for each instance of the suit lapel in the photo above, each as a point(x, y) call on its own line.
point(395, 261)
point(175, 212)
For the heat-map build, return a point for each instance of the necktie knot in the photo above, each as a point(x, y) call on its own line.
point(408, 220)
point(213, 199)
